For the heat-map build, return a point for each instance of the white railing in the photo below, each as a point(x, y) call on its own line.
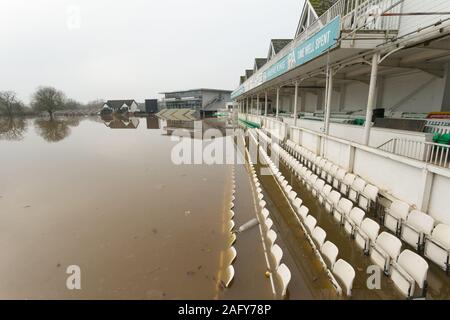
point(433, 153)
point(355, 16)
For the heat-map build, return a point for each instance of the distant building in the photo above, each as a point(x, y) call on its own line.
point(151, 105)
point(202, 100)
point(121, 106)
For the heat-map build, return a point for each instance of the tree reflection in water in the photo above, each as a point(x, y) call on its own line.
point(12, 129)
point(54, 130)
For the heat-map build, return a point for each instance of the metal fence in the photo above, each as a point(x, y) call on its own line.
point(355, 14)
point(433, 153)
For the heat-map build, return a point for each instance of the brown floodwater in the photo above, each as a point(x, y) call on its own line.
point(104, 195)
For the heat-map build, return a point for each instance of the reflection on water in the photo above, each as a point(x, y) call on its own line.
point(12, 129)
point(117, 121)
point(111, 202)
point(54, 130)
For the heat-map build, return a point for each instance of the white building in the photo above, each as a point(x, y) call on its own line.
point(357, 57)
point(121, 106)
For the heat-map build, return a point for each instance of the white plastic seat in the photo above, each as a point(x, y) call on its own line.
point(386, 249)
point(330, 252)
point(310, 182)
point(303, 213)
point(338, 178)
point(277, 255)
point(271, 237)
point(297, 203)
point(346, 274)
point(332, 173)
point(262, 204)
point(346, 183)
point(231, 255)
point(417, 225)
point(268, 223)
point(342, 210)
point(228, 276)
point(285, 277)
point(288, 189)
point(310, 223)
point(320, 167)
point(332, 201)
point(354, 220)
point(318, 187)
point(264, 214)
point(315, 163)
point(368, 197)
point(292, 195)
point(325, 193)
point(356, 189)
point(319, 235)
point(395, 215)
point(325, 170)
point(409, 270)
point(437, 246)
point(366, 234)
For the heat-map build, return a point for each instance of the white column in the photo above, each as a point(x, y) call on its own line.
point(278, 101)
point(251, 105)
point(328, 101)
point(257, 104)
point(295, 103)
point(372, 97)
point(265, 103)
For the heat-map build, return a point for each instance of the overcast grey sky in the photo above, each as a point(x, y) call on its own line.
point(134, 49)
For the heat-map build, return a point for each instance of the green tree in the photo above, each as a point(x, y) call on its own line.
point(9, 104)
point(48, 99)
point(321, 6)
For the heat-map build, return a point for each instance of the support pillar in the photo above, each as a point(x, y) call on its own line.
point(278, 101)
point(328, 101)
point(295, 103)
point(265, 103)
point(257, 105)
point(372, 97)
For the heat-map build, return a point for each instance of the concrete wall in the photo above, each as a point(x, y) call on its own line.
point(410, 23)
point(415, 92)
point(353, 133)
point(396, 176)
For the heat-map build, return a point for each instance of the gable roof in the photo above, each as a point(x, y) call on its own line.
point(259, 62)
point(279, 44)
point(116, 104)
point(276, 45)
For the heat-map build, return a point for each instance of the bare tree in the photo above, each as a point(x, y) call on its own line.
point(72, 104)
point(48, 99)
point(9, 104)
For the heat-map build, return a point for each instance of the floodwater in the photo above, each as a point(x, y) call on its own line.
point(107, 196)
point(104, 195)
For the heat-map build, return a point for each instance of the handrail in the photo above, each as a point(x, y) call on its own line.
point(351, 11)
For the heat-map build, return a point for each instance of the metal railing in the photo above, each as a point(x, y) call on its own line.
point(354, 14)
point(429, 152)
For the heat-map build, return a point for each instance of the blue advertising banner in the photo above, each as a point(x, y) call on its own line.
point(308, 50)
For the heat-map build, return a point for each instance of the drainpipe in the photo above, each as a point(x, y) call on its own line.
point(265, 104)
point(372, 97)
point(278, 101)
point(295, 103)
